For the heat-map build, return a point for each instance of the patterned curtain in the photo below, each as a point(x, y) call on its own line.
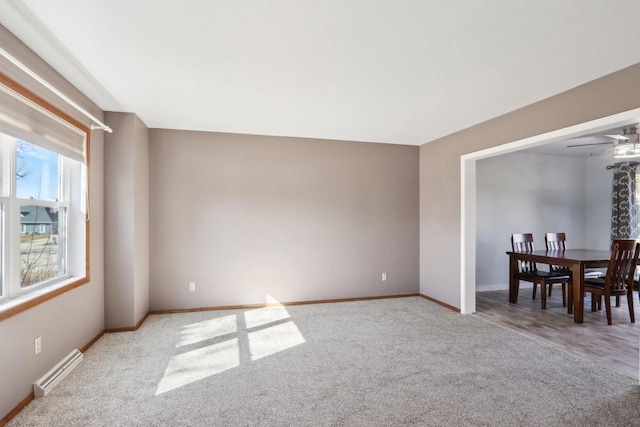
point(624, 222)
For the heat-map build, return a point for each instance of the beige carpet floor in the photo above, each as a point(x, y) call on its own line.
point(384, 362)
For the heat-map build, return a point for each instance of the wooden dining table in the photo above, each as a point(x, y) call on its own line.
point(575, 259)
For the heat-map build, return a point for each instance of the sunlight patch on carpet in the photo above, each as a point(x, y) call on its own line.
point(263, 316)
point(208, 329)
point(198, 364)
point(274, 339)
point(260, 332)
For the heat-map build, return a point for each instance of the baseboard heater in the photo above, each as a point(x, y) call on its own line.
point(49, 380)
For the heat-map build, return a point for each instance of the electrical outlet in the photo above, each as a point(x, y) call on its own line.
point(192, 286)
point(38, 345)
point(384, 277)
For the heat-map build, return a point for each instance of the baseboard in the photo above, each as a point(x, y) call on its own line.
point(248, 306)
point(487, 288)
point(17, 409)
point(444, 304)
point(502, 287)
point(92, 342)
point(142, 321)
point(123, 329)
point(24, 402)
point(129, 328)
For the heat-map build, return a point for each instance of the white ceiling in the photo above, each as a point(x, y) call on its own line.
point(394, 71)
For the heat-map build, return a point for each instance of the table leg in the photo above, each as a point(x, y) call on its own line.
point(513, 279)
point(578, 292)
point(570, 297)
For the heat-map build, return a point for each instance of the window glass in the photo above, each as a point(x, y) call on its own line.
point(41, 244)
point(37, 172)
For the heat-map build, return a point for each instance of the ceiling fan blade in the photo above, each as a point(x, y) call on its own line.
point(587, 145)
point(617, 137)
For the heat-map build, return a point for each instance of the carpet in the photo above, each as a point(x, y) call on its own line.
point(386, 362)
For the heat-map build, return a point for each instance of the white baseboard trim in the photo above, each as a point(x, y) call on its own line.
point(502, 287)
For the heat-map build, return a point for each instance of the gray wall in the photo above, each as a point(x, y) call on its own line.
point(598, 186)
point(71, 320)
point(126, 221)
point(141, 219)
point(440, 167)
point(298, 219)
point(525, 193)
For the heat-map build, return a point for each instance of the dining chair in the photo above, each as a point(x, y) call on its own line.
point(619, 278)
point(528, 271)
point(557, 242)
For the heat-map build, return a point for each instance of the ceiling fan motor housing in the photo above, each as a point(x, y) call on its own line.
point(632, 135)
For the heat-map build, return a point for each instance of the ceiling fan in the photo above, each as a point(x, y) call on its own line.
point(625, 145)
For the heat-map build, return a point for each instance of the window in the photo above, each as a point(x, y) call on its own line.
point(43, 220)
point(39, 180)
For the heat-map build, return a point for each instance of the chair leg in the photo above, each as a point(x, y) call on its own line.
point(543, 295)
point(593, 302)
point(630, 301)
point(550, 288)
point(599, 302)
point(535, 288)
point(617, 300)
point(607, 305)
point(564, 294)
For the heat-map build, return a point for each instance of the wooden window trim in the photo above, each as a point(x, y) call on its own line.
point(7, 81)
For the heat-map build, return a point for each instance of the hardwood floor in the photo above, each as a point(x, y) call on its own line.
point(615, 346)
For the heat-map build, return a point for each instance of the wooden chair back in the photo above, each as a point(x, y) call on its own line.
point(555, 241)
point(524, 243)
point(622, 265)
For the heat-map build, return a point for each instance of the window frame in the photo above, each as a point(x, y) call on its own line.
point(40, 293)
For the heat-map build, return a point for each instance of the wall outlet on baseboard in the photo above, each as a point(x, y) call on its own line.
point(384, 277)
point(192, 286)
point(37, 345)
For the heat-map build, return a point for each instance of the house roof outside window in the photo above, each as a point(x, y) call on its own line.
point(38, 215)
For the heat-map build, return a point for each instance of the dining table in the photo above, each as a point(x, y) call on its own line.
point(575, 259)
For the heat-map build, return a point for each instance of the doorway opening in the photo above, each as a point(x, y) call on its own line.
point(469, 186)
